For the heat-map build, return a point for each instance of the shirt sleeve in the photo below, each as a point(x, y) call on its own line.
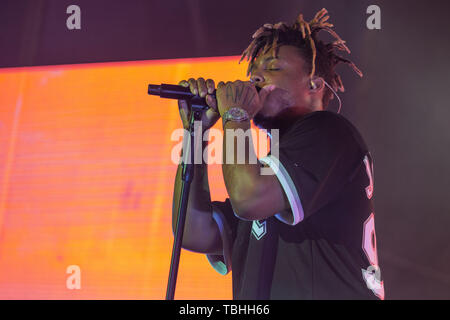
point(313, 162)
point(227, 222)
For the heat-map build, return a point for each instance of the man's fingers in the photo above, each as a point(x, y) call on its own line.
point(184, 112)
point(210, 99)
point(212, 102)
point(193, 86)
point(210, 86)
point(182, 105)
point(202, 90)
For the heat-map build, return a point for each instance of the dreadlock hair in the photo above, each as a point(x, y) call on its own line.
point(321, 58)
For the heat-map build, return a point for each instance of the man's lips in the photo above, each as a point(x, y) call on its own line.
point(269, 87)
point(265, 91)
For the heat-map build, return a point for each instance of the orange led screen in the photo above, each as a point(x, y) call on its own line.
point(86, 180)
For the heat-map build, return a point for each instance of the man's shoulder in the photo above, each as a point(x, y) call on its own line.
point(326, 120)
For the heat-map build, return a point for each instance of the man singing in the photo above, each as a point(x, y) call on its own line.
point(307, 230)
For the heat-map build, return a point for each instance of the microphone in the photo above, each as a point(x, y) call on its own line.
point(171, 91)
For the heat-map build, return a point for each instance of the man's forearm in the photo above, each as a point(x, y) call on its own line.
point(241, 180)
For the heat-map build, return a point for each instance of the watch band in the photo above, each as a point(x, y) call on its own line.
point(235, 114)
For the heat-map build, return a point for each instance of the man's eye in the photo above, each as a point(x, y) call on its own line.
point(273, 69)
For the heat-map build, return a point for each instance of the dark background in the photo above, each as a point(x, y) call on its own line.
point(400, 106)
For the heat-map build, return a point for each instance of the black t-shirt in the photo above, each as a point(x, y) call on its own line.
point(324, 247)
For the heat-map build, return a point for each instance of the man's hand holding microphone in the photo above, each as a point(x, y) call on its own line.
point(205, 89)
point(236, 94)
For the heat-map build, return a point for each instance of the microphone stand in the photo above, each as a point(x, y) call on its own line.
point(187, 174)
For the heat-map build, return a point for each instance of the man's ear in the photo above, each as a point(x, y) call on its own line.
point(316, 84)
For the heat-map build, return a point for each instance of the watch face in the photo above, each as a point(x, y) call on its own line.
point(237, 114)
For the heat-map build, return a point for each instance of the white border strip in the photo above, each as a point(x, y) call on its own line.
point(289, 189)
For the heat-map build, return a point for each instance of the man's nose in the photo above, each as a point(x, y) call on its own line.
point(257, 80)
